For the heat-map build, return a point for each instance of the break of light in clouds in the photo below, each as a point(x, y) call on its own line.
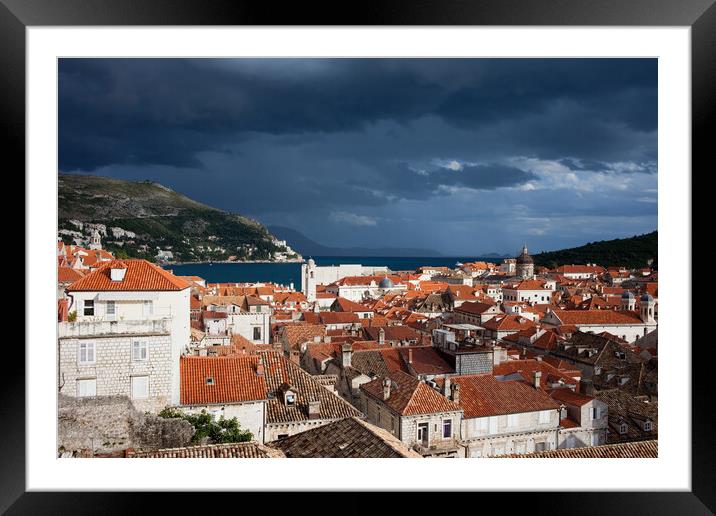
point(463, 156)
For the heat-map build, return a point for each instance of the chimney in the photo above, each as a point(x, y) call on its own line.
point(314, 409)
point(446, 387)
point(259, 366)
point(381, 336)
point(386, 388)
point(455, 392)
point(410, 356)
point(562, 412)
point(539, 358)
point(538, 378)
point(346, 354)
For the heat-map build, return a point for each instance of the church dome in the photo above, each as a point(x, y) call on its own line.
point(524, 257)
point(627, 295)
point(647, 298)
point(385, 283)
point(311, 263)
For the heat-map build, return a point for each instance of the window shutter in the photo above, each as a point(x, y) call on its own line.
point(140, 387)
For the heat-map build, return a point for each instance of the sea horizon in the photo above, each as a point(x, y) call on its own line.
point(285, 273)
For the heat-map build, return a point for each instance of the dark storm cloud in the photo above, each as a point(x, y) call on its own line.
point(164, 111)
point(292, 141)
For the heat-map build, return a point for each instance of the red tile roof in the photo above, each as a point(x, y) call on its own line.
point(425, 360)
point(69, 275)
point(570, 397)
point(641, 449)
point(140, 276)
point(409, 396)
point(483, 395)
point(508, 323)
point(342, 304)
point(474, 308)
point(235, 379)
point(589, 317)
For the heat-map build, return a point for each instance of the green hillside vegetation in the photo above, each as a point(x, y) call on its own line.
point(161, 218)
point(634, 252)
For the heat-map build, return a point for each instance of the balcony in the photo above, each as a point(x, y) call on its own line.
point(440, 448)
point(99, 327)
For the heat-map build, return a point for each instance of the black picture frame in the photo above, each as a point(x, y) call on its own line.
point(700, 15)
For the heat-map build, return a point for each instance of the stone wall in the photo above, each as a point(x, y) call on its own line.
point(107, 424)
point(113, 368)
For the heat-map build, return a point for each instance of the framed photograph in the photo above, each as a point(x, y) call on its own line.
point(428, 232)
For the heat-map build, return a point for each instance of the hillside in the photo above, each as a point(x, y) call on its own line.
point(631, 252)
point(150, 216)
point(307, 247)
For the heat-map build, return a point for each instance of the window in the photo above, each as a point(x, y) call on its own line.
point(111, 309)
point(447, 428)
point(88, 307)
point(257, 333)
point(493, 424)
point(290, 399)
point(647, 426)
point(86, 353)
point(544, 416)
point(540, 447)
point(512, 420)
point(148, 308)
point(87, 387)
point(595, 413)
point(623, 428)
point(140, 353)
point(140, 387)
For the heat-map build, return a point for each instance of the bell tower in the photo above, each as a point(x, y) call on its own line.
point(647, 307)
point(525, 267)
point(308, 280)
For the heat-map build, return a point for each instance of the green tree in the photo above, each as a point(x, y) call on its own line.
point(205, 426)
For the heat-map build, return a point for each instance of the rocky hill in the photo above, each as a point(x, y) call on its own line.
point(137, 219)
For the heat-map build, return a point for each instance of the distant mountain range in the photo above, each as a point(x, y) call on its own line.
point(307, 247)
point(634, 252)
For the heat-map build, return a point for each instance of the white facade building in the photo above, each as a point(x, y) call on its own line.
point(131, 327)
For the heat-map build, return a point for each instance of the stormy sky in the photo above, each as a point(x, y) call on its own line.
point(462, 156)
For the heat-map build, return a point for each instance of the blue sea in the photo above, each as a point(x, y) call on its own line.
point(287, 273)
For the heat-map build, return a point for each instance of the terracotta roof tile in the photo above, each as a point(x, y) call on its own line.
point(347, 438)
point(636, 450)
point(483, 395)
point(233, 379)
point(140, 276)
point(410, 396)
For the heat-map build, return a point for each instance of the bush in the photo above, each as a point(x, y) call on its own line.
point(72, 316)
point(205, 426)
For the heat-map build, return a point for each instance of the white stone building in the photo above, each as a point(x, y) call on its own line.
point(503, 417)
point(131, 327)
point(627, 323)
point(228, 386)
point(415, 413)
point(528, 291)
point(312, 275)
